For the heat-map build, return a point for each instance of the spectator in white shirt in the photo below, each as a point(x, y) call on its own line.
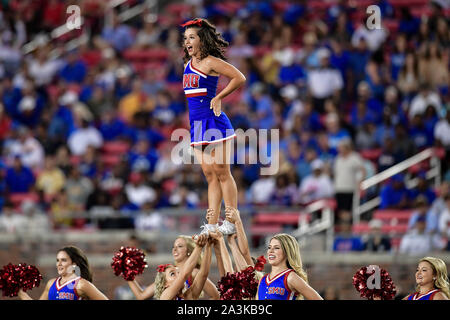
point(324, 82)
point(442, 131)
point(36, 222)
point(418, 243)
point(262, 189)
point(84, 137)
point(374, 38)
point(317, 185)
point(10, 220)
point(423, 99)
point(444, 219)
point(43, 69)
point(348, 171)
point(137, 191)
point(28, 148)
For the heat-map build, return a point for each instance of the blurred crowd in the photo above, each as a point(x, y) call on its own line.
point(348, 102)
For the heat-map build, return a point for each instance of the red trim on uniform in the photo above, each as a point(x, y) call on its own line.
point(191, 95)
point(417, 296)
point(286, 283)
point(195, 69)
point(432, 295)
point(269, 281)
point(75, 289)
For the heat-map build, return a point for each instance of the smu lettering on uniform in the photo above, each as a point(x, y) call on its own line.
point(191, 80)
point(66, 296)
point(276, 290)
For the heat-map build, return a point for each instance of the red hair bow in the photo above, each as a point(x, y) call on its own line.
point(162, 267)
point(196, 22)
point(260, 262)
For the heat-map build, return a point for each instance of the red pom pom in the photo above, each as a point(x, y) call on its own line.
point(386, 290)
point(238, 285)
point(260, 262)
point(13, 277)
point(129, 262)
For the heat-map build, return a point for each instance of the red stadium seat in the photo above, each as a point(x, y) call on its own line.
point(115, 147)
point(18, 198)
point(363, 228)
point(390, 216)
point(262, 230)
point(110, 160)
point(288, 218)
point(371, 154)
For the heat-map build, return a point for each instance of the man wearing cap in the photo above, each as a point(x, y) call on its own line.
point(317, 185)
point(324, 82)
point(376, 240)
point(422, 209)
point(419, 242)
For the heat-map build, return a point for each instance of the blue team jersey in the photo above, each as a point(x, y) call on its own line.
point(67, 291)
point(206, 127)
point(276, 288)
point(427, 296)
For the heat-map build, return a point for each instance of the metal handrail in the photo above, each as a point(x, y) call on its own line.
point(325, 223)
point(434, 172)
point(42, 39)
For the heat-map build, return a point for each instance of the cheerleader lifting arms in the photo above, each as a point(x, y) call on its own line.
point(169, 282)
point(183, 247)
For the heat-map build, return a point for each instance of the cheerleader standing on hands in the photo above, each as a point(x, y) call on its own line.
point(287, 280)
point(432, 280)
point(210, 127)
point(183, 247)
point(70, 285)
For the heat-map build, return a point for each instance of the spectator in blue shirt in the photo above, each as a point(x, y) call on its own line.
point(409, 24)
point(394, 195)
point(422, 210)
point(261, 102)
point(119, 36)
point(388, 156)
point(19, 179)
point(421, 137)
point(335, 132)
point(111, 126)
point(142, 157)
point(422, 189)
point(345, 241)
point(140, 129)
point(75, 69)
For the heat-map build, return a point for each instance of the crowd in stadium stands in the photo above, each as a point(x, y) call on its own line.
point(89, 130)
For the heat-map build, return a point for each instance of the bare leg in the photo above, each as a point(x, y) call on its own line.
point(223, 173)
point(214, 187)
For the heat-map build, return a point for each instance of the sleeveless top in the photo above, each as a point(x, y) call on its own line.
point(67, 291)
point(275, 288)
point(427, 296)
point(199, 89)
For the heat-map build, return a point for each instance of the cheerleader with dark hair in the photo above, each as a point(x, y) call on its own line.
point(74, 281)
point(211, 130)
